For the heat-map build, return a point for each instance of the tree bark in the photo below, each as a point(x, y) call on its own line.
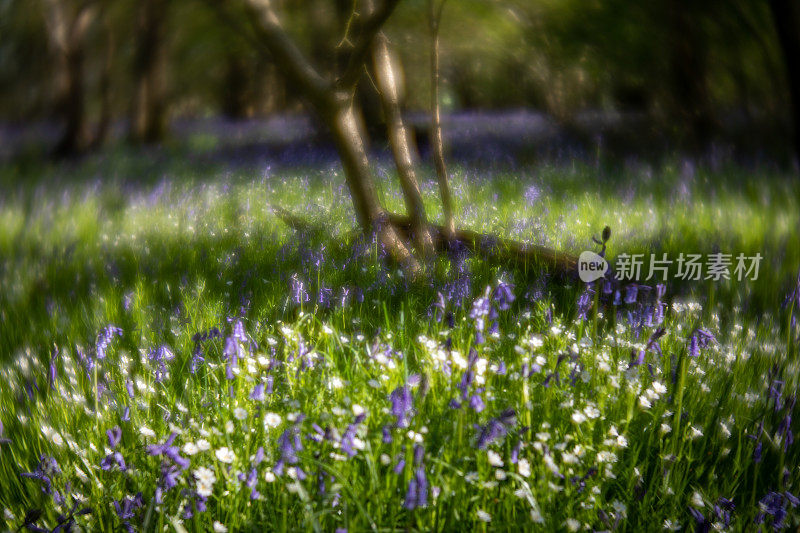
point(235, 97)
point(388, 89)
point(688, 65)
point(786, 16)
point(437, 144)
point(148, 112)
point(67, 33)
point(104, 119)
point(341, 118)
point(333, 103)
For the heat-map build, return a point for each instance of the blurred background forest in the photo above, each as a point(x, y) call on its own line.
point(660, 75)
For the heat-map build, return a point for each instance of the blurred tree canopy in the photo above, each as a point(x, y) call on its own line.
point(690, 67)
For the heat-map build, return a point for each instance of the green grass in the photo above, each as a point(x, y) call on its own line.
point(168, 249)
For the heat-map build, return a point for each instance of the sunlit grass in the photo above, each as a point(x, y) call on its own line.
point(601, 444)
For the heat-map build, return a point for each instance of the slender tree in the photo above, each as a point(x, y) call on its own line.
point(148, 122)
point(104, 88)
point(67, 25)
point(786, 16)
point(386, 80)
point(437, 143)
point(333, 102)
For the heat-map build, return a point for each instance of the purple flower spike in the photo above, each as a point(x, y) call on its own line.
point(402, 405)
point(258, 393)
point(114, 436)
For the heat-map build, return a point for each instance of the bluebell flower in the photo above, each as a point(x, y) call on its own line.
point(585, 302)
point(417, 492)
point(239, 333)
point(250, 481)
point(160, 356)
point(503, 295)
point(631, 291)
point(700, 339)
point(350, 434)
point(167, 449)
point(402, 405)
point(258, 393)
point(52, 374)
point(496, 428)
point(722, 510)
point(399, 466)
point(298, 290)
point(480, 309)
point(775, 504)
point(45, 471)
point(651, 346)
point(702, 525)
point(289, 444)
point(113, 459)
point(476, 402)
point(114, 436)
point(104, 339)
point(469, 375)
point(126, 509)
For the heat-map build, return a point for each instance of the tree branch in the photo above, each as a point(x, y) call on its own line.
point(366, 34)
point(437, 144)
point(289, 59)
point(386, 78)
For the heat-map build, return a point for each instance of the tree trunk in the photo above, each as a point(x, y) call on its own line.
point(388, 87)
point(688, 64)
point(71, 103)
point(333, 103)
point(148, 113)
point(786, 16)
point(340, 116)
point(437, 144)
point(67, 32)
point(104, 120)
point(235, 95)
point(341, 119)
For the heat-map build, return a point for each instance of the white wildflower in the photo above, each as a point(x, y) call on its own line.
point(190, 448)
point(494, 458)
point(644, 403)
point(697, 500)
point(272, 420)
point(225, 455)
point(578, 417)
point(524, 467)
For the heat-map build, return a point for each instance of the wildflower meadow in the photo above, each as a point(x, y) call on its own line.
point(176, 358)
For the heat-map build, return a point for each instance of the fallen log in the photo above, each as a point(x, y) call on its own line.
point(497, 248)
point(485, 245)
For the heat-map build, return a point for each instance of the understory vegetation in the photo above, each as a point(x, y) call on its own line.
point(174, 357)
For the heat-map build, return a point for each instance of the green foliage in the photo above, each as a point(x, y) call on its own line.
point(197, 246)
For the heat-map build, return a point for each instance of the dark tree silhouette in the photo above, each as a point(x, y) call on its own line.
point(786, 16)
